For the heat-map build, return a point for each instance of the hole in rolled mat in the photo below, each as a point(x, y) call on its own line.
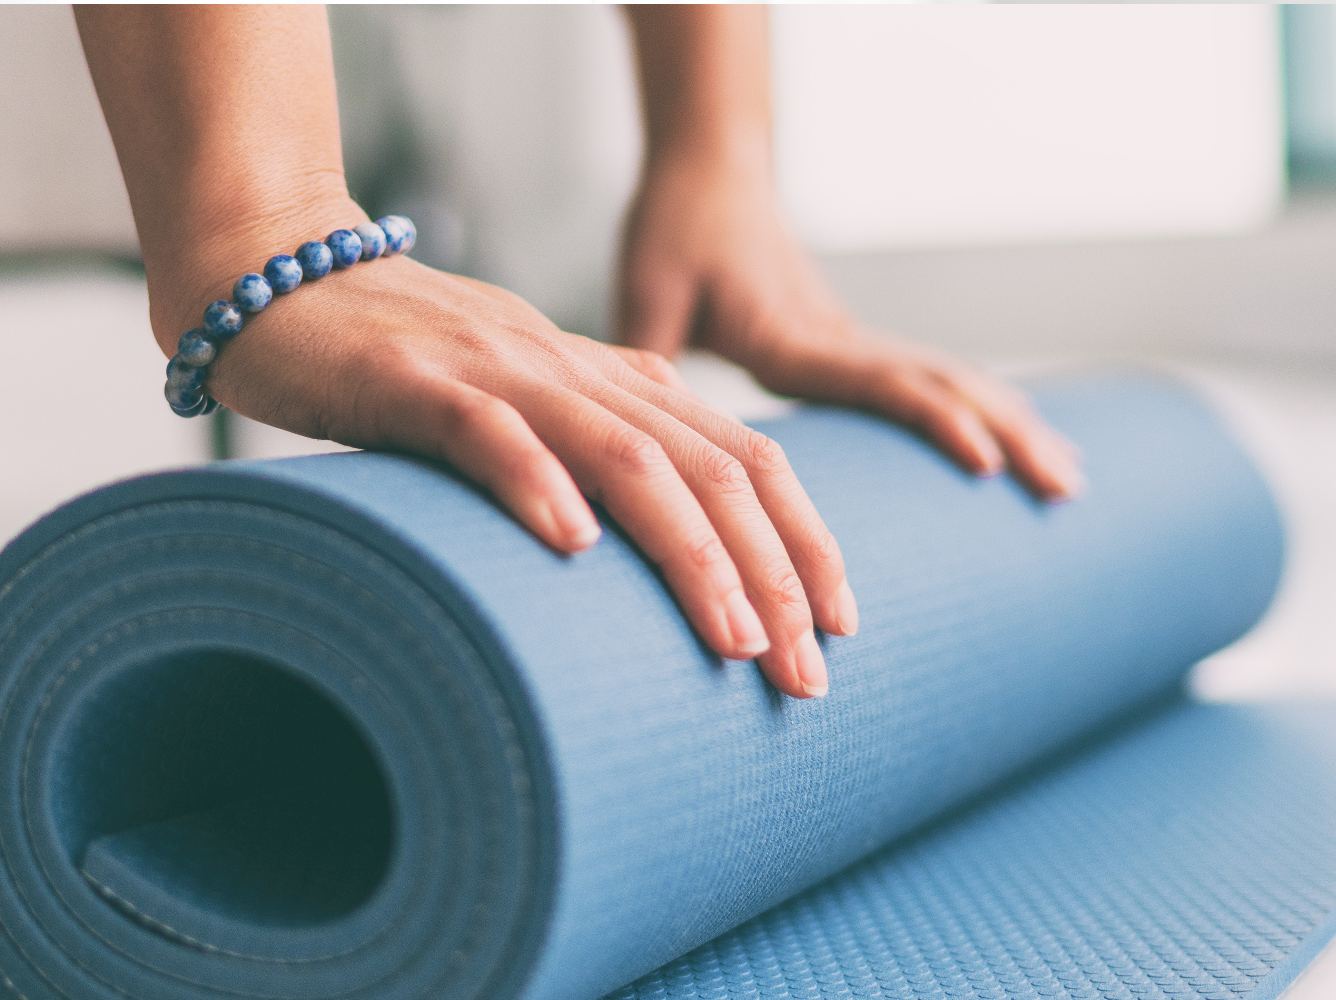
point(221, 784)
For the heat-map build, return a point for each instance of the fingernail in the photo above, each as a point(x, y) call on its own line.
point(577, 525)
point(812, 676)
point(990, 459)
point(1070, 485)
point(584, 537)
point(1073, 481)
point(846, 610)
point(744, 626)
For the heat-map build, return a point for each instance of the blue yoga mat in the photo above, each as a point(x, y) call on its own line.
point(336, 727)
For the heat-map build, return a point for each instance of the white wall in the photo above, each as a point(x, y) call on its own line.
point(936, 125)
point(60, 186)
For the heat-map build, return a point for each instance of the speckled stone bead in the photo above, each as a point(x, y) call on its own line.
point(252, 292)
point(396, 233)
point(283, 273)
point(185, 404)
point(185, 377)
point(196, 348)
point(373, 240)
point(345, 247)
point(222, 320)
point(315, 258)
point(410, 233)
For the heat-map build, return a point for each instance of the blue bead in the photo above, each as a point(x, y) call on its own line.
point(315, 259)
point(410, 233)
point(185, 378)
point(404, 230)
point(396, 234)
point(283, 273)
point(210, 404)
point(222, 320)
point(373, 240)
point(196, 348)
point(184, 404)
point(345, 247)
point(252, 293)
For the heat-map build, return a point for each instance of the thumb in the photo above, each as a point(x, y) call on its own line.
point(655, 310)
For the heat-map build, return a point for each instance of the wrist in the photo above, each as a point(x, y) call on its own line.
point(739, 151)
point(197, 259)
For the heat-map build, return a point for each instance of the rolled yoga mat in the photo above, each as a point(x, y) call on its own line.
point(337, 727)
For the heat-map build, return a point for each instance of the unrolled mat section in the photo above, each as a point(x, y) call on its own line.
point(336, 727)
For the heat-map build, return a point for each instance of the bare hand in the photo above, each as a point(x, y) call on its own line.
point(707, 259)
point(393, 354)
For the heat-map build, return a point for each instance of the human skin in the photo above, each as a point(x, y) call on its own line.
point(707, 259)
point(226, 125)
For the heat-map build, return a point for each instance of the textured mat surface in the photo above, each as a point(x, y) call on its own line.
point(1192, 854)
point(336, 727)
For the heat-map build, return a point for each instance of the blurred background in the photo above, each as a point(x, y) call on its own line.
point(1027, 186)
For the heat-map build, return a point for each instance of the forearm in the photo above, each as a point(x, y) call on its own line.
point(225, 121)
point(705, 81)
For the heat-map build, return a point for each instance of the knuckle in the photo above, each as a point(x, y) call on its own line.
point(821, 548)
point(476, 346)
point(1016, 399)
point(583, 347)
point(364, 406)
point(544, 352)
point(705, 552)
point(784, 589)
point(889, 384)
point(472, 409)
point(763, 454)
point(1000, 399)
point(656, 366)
point(1011, 431)
point(951, 418)
point(407, 367)
point(1012, 418)
point(1012, 425)
point(533, 468)
point(637, 452)
point(725, 472)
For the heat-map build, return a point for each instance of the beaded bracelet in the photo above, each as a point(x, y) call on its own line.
point(188, 371)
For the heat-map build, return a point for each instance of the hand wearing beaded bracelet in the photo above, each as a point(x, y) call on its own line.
point(188, 370)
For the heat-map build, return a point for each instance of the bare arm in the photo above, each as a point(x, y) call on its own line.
point(708, 259)
point(226, 125)
point(705, 81)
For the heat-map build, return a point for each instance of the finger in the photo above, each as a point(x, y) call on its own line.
point(794, 663)
point(653, 366)
point(1000, 399)
point(489, 442)
point(655, 312)
point(864, 375)
point(810, 545)
point(630, 473)
point(941, 415)
point(1039, 455)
